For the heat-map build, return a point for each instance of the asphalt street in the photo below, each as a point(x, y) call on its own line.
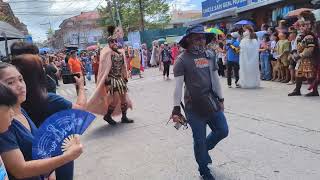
point(272, 137)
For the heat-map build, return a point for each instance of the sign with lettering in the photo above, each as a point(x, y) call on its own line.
point(213, 6)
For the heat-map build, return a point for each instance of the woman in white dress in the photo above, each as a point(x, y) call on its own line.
point(249, 60)
point(155, 54)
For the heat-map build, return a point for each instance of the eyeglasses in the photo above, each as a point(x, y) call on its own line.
point(113, 41)
point(305, 24)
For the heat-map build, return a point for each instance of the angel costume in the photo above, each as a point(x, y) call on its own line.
point(110, 95)
point(249, 62)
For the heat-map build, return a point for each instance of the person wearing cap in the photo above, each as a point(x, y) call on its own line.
point(233, 49)
point(204, 102)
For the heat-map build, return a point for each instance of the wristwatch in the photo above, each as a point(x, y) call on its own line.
point(221, 100)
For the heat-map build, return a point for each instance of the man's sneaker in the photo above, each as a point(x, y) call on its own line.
point(229, 86)
point(109, 120)
point(208, 177)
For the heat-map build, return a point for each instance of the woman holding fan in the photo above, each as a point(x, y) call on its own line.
point(40, 104)
point(16, 143)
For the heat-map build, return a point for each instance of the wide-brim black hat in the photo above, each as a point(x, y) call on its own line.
point(196, 29)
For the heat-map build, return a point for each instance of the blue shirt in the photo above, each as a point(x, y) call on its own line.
point(56, 103)
point(231, 54)
point(19, 137)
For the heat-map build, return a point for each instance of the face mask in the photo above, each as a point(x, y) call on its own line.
point(197, 49)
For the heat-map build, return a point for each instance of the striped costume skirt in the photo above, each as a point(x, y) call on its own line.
point(116, 84)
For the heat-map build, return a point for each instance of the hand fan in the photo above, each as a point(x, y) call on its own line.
point(58, 129)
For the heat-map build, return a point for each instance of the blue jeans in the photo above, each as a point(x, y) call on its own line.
point(265, 66)
point(203, 143)
point(88, 71)
point(65, 172)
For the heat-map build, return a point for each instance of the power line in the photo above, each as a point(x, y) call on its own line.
point(43, 14)
point(46, 1)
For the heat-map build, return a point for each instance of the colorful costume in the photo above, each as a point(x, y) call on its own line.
point(112, 79)
point(115, 81)
point(307, 56)
point(306, 68)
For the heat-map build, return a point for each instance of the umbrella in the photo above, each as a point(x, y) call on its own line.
point(45, 49)
point(215, 31)
point(244, 22)
point(297, 12)
point(161, 40)
point(92, 48)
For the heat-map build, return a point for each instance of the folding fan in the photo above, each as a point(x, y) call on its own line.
point(57, 130)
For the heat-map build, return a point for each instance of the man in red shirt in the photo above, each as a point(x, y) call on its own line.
point(75, 65)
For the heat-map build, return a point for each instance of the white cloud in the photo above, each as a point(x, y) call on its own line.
point(56, 7)
point(183, 5)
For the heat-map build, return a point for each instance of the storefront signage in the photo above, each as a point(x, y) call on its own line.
point(213, 6)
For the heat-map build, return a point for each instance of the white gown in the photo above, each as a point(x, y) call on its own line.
point(154, 56)
point(249, 62)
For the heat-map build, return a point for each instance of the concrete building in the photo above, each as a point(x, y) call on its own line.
point(224, 14)
point(179, 18)
point(81, 30)
point(7, 15)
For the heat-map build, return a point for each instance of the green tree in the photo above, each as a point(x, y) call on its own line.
point(136, 14)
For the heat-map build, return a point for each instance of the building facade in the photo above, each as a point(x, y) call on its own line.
point(179, 18)
point(226, 12)
point(7, 15)
point(81, 30)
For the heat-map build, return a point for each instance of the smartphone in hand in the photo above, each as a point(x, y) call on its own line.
point(69, 78)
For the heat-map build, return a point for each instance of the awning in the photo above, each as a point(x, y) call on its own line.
point(257, 5)
point(233, 11)
point(9, 31)
point(214, 16)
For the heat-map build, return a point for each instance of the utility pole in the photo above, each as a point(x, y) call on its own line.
point(141, 15)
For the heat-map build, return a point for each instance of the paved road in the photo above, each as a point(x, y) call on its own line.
point(271, 137)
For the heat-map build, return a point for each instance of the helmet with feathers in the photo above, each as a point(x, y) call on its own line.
point(111, 34)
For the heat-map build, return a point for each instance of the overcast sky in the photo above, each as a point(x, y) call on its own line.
point(37, 14)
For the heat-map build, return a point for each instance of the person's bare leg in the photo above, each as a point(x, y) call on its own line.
point(286, 78)
point(292, 75)
point(111, 108)
point(124, 108)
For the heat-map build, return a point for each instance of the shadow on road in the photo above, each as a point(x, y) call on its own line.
point(105, 131)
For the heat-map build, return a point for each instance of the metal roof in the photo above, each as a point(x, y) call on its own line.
point(10, 31)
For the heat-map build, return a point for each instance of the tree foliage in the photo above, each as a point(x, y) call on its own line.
point(155, 14)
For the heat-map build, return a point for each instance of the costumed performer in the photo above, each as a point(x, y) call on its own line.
point(110, 95)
